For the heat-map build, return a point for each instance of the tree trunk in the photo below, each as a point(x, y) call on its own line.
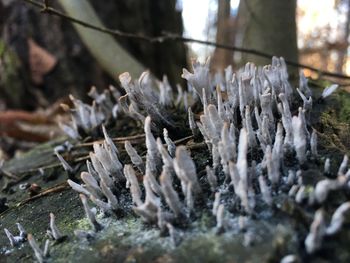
point(151, 18)
point(268, 26)
point(224, 35)
point(76, 70)
point(113, 58)
point(342, 53)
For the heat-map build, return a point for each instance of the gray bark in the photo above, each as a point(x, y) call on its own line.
point(224, 35)
point(76, 70)
point(113, 58)
point(268, 26)
point(342, 53)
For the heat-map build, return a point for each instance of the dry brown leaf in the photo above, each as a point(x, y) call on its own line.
point(41, 61)
point(25, 125)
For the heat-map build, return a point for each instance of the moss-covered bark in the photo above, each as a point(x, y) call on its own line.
point(127, 239)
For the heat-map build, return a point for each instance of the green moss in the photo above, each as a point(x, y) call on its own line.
point(10, 81)
point(344, 109)
point(331, 119)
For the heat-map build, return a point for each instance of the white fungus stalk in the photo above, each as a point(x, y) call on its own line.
point(39, 254)
point(313, 143)
point(343, 166)
point(211, 177)
point(54, 229)
point(102, 173)
point(134, 156)
point(13, 241)
point(327, 166)
point(78, 188)
point(64, 163)
point(216, 203)
point(170, 195)
point(112, 200)
point(220, 217)
point(192, 122)
point(91, 184)
point(134, 185)
point(299, 139)
point(338, 219)
point(185, 169)
point(151, 174)
point(265, 191)
point(89, 214)
point(152, 150)
point(170, 144)
point(168, 162)
point(314, 239)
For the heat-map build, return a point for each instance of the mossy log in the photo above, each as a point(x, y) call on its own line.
point(128, 240)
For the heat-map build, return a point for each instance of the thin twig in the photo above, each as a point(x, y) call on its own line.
point(56, 189)
point(46, 6)
point(9, 175)
point(197, 146)
point(81, 158)
point(182, 140)
point(118, 140)
point(176, 37)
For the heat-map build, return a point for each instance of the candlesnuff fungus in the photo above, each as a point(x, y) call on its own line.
point(290, 259)
point(16, 240)
point(64, 163)
point(91, 185)
point(216, 203)
point(220, 218)
point(338, 219)
point(134, 156)
point(40, 254)
point(313, 240)
point(86, 118)
point(212, 180)
point(200, 78)
point(170, 195)
point(54, 232)
point(329, 90)
point(89, 214)
point(170, 144)
point(258, 145)
point(133, 184)
point(319, 229)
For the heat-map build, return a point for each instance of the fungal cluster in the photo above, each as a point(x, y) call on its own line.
point(85, 119)
point(257, 145)
point(41, 255)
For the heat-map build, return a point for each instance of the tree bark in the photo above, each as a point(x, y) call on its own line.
point(342, 53)
point(224, 35)
point(268, 26)
point(76, 70)
point(151, 18)
point(113, 58)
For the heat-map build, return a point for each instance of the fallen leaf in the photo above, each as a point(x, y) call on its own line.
point(41, 61)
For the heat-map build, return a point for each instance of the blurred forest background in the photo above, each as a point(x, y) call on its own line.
point(43, 57)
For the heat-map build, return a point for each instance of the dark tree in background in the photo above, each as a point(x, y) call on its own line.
point(225, 34)
point(268, 26)
point(151, 18)
point(343, 51)
point(75, 70)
